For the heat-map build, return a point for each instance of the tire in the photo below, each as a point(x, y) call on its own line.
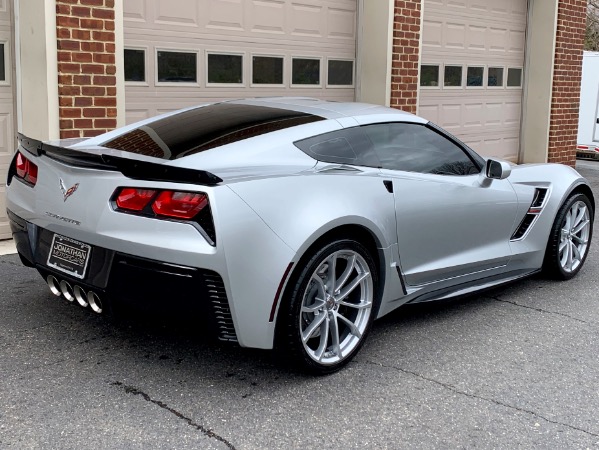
point(310, 324)
point(570, 238)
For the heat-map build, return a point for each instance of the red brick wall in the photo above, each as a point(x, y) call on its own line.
point(406, 55)
point(86, 67)
point(567, 76)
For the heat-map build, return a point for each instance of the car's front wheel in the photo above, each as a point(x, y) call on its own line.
point(330, 307)
point(570, 238)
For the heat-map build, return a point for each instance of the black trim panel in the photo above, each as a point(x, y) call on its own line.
point(136, 170)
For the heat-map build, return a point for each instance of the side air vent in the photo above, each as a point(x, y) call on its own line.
point(535, 209)
point(524, 226)
point(540, 195)
point(220, 308)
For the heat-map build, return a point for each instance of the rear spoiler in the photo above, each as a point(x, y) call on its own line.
point(136, 170)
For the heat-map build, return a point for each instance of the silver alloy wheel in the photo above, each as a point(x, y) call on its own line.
point(574, 237)
point(336, 307)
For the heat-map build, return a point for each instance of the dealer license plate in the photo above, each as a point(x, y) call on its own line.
point(69, 256)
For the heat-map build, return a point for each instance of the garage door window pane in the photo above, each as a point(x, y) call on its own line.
point(475, 76)
point(514, 77)
point(225, 69)
point(267, 70)
point(453, 76)
point(177, 67)
point(429, 75)
point(305, 71)
point(2, 63)
point(135, 65)
point(495, 77)
point(341, 73)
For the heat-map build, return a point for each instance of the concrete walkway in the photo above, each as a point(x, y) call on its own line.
point(7, 247)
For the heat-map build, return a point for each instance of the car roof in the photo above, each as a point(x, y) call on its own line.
point(325, 108)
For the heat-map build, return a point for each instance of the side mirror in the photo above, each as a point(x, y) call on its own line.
point(497, 170)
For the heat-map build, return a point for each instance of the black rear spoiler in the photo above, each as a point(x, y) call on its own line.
point(136, 170)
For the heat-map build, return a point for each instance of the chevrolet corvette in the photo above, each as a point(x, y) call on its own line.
point(288, 223)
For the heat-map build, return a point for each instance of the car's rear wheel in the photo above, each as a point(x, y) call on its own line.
point(570, 238)
point(330, 308)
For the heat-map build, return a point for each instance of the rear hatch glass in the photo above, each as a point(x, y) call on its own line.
point(204, 128)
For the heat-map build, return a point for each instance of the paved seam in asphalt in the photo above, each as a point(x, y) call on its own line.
point(491, 400)
point(497, 299)
point(135, 391)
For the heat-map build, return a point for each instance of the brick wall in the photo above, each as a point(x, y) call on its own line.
point(406, 55)
point(86, 67)
point(567, 77)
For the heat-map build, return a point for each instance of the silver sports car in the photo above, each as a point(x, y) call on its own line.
point(288, 223)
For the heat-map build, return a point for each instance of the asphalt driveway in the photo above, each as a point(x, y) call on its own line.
point(516, 367)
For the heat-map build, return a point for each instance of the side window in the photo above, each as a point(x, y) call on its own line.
point(347, 146)
point(417, 148)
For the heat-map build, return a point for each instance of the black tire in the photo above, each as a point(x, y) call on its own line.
point(293, 321)
point(552, 265)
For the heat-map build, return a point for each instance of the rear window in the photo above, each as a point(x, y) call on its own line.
point(205, 128)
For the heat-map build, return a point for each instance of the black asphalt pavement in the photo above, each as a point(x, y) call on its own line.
point(517, 367)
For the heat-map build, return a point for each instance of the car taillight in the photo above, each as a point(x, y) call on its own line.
point(25, 169)
point(132, 199)
point(180, 205)
point(167, 205)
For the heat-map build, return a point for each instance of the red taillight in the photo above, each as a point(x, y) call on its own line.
point(134, 199)
point(22, 164)
point(31, 173)
point(26, 170)
point(181, 205)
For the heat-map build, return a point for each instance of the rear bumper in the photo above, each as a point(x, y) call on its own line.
point(124, 280)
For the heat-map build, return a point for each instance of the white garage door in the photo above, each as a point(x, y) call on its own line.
point(472, 71)
point(183, 52)
point(7, 133)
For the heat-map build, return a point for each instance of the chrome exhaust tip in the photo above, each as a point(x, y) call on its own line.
point(80, 296)
point(95, 302)
point(67, 291)
point(53, 285)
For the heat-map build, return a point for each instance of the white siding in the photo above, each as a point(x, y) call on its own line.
point(485, 33)
point(7, 107)
point(286, 28)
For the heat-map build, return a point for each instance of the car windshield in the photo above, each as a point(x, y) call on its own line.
point(204, 128)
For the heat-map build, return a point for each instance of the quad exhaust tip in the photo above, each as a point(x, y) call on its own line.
point(80, 296)
point(54, 285)
point(94, 302)
point(67, 291)
point(76, 292)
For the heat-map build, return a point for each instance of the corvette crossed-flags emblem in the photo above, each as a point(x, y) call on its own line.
point(67, 192)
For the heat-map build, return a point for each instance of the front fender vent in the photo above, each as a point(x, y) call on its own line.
point(539, 199)
point(536, 207)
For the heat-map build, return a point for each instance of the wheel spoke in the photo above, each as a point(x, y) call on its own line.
point(320, 284)
point(324, 339)
point(579, 215)
point(580, 240)
point(318, 304)
point(346, 273)
point(569, 262)
point(332, 263)
point(352, 327)
point(334, 325)
point(578, 228)
point(308, 332)
point(361, 305)
point(350, 287)
point(576, 252)
point(562, 245)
